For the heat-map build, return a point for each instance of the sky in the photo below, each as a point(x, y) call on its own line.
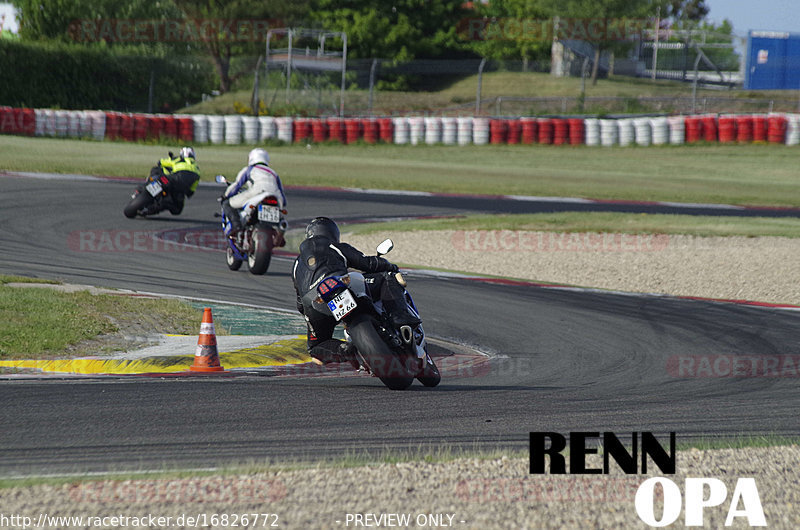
point(767, 15)
point(746, 15)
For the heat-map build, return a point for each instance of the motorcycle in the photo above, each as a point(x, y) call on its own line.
point(263, 228)
point(395, 353)
point(151, 197)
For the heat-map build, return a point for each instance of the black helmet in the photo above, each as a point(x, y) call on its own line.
point(324, 227)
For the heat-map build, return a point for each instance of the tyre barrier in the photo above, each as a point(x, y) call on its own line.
point(284, 126)
point(250, 128)
point(480, 131)
point(513, 132)
point(416, 130)
point(200, 128)
point(233, 129)
point(627, 132)
point(464, 131)
point(560, 131)
point(216, 129)
point(659, 128)
point(449, 131)
point(530, 130)
point(774, 128)
point(401, 130)
point(592, 126)
point(609, 133)
point(267, 130)
point(433, 130)
point(677, 130)
point(545, 126)
point(793, 129)
point(642, 130)
point(759, 129)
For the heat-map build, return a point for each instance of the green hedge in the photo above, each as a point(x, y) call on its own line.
point(77, 77)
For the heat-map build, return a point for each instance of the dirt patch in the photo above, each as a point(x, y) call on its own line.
point(761, 269)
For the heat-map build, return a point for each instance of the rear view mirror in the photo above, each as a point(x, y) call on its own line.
point(385, 247)
point(221, 179)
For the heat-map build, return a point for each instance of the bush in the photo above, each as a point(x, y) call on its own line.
point(71, 76)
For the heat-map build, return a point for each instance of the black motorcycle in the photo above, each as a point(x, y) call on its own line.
point(153, 196)
point(395, 352)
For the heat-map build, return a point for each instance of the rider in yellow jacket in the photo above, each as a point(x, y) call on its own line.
point(183, 173)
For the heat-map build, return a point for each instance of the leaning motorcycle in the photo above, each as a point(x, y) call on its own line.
point(397, 354)
point(263, 228)
point(150, 197)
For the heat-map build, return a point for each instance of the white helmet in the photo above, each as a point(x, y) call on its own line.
point(187, 152)
point(258, 156)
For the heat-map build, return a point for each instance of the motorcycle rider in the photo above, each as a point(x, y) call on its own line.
point(184, 175)
point(253, 179)
point(323, 255)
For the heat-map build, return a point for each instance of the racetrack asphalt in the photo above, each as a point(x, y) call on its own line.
point(561, 360)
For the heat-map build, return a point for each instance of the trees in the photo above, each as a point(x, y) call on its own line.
point(237, 27)
point(601, 10)
point(398, 31)
point(513, 29)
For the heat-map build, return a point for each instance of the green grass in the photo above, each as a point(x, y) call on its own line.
point(748, 174)
point(5, 278)
point(41, 322)
point(600, 222)
point(462, 91)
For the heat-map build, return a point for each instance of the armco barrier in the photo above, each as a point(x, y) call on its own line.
point(463, 130)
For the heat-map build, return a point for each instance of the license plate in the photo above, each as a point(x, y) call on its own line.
point(269, 214)
point(154, 188)
point(342, 304)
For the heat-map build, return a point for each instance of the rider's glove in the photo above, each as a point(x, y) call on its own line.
point(393, 268)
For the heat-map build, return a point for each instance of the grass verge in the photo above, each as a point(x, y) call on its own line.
point(40, 323)
point(733, 174)
point(601, 222)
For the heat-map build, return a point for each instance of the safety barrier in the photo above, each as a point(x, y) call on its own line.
point(415, 130)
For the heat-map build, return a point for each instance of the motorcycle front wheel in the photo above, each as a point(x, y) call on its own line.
point(430, 375)
point(382, 361)
point(261, 250)
point(136, 204)
point(230, 258)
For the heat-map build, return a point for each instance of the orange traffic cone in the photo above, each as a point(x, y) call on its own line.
point(206, 358)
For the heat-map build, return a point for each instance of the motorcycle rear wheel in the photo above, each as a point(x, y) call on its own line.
point(382, 361)
point(137, 203)
point(261, 252)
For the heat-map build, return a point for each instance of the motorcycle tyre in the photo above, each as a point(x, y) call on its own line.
point(430, 375)
point(230, 259)
point(261, 252)
point(137, 203)
point(378, 354)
